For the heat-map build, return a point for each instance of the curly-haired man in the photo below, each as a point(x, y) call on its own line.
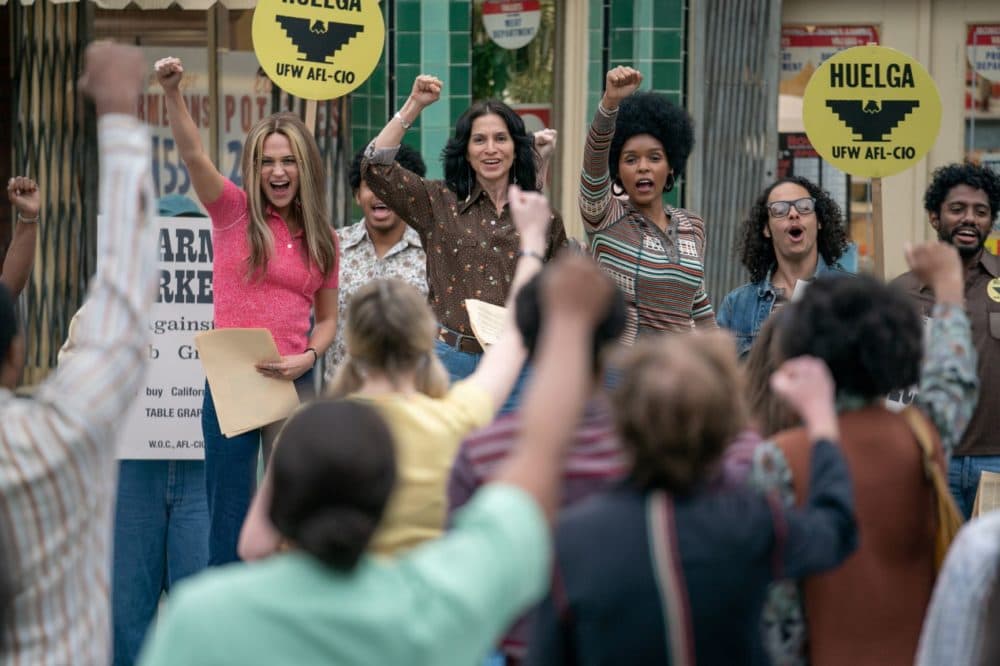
point(962, 203)
point(795, 232)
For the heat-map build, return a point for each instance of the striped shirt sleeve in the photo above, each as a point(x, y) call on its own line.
point(598, 206)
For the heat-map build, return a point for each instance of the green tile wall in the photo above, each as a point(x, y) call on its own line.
point(433, 37)
point(645, 34)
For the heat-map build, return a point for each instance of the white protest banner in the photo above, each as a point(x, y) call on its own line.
point(164, 421)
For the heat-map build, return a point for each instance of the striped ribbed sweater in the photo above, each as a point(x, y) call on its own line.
point(664, 286)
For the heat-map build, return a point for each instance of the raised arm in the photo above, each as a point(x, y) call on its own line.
point(426, 90)
point(501, 362)
point(545, 148)
point(403, 191)
point(949, 383)
point(205, 178)
point(574, 295)
point(596, 197)
point(23, 193)
point(823, 532)
point(91, 389)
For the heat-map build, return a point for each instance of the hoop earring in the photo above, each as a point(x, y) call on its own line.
point(670, 183)
point(617, 188)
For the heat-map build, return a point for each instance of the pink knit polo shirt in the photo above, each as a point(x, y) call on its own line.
point(281, 301)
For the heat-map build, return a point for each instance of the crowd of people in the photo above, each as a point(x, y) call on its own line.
point(624, 475)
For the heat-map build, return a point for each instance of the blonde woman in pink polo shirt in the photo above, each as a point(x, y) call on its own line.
point(275, 263)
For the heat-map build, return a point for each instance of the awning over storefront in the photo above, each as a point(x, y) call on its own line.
point(157, 4)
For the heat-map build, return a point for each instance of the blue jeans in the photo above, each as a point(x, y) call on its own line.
point(161, 536)
point(963, 478)
point(231, 476)
point(460, 365)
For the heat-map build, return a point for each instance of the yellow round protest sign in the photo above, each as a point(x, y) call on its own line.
point(871, 111)
point(318, 49)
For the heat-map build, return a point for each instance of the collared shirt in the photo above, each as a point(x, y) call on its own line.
point(443, 603)
point(471, 248)
point(57, 448)
point(958, 620)
point(359, 265)
point(280, 300)
point(661, 274)
point(745, 309)
point(982, 302)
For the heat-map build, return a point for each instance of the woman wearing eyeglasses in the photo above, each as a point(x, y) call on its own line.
point(794, 233)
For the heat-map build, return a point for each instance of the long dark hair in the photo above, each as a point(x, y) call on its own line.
point(458, 173)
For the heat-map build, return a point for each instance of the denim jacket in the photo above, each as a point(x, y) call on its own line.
point(746, 308)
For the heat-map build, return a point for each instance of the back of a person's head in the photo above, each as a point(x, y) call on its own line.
point(769, 412)
point(677, 405)
point(867, 332)
point(8, 320)
point(529, 315)
point(333, 470)
point(390, 330)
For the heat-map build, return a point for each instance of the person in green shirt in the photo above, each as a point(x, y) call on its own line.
point(327, 601)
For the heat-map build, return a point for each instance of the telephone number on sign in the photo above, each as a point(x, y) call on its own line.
point(176, 444)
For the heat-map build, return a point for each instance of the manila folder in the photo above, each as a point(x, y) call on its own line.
point(487, 320)
point(244, 399)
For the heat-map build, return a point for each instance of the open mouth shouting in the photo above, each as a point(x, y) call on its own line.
point(645, 186)
point(380, 212)
point(281, 188)
point(796, 233)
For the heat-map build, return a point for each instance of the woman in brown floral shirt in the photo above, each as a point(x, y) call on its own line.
point(464, 222)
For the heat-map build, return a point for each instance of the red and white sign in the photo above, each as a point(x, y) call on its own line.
point(804, 48)
point(983, 48)
point(512, 24)
point(535, 116)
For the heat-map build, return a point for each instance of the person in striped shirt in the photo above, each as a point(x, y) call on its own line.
point(57, 454)
point(636, 150)
point(595, 459)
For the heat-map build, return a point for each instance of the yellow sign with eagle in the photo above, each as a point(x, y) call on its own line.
point(318, 49)
point(871, 111)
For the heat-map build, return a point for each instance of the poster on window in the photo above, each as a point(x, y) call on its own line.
point(164, 420)
point(805, 47)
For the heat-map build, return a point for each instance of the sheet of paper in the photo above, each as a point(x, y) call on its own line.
point(988, 494)
point(487, 320)
point(244, 398)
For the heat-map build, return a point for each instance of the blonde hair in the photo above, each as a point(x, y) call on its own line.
point(677, 406)
point(390, 329)
point(311, 196)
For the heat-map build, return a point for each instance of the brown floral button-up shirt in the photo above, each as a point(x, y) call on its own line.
point(471, 248)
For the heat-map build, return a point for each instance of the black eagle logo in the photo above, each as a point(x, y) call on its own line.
point(874, 120)
point(318, 40)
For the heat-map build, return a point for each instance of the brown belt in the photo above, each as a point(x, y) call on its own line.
point(465, 343)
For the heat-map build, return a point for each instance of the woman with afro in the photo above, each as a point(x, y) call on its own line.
point(636, 150)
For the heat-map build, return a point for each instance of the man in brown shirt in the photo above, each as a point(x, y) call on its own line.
point(962, 203)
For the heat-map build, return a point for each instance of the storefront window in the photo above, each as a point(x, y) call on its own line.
point(513, 54)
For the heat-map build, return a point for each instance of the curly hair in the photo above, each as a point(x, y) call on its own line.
point(652, 113)
point(458, 173)
point(976, 177)
point(868, 333)
point(756, 251)
point(679, 402)
point(407, 157)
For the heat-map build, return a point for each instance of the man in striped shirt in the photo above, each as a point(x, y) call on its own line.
point(57, 457)
point(594, 459)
